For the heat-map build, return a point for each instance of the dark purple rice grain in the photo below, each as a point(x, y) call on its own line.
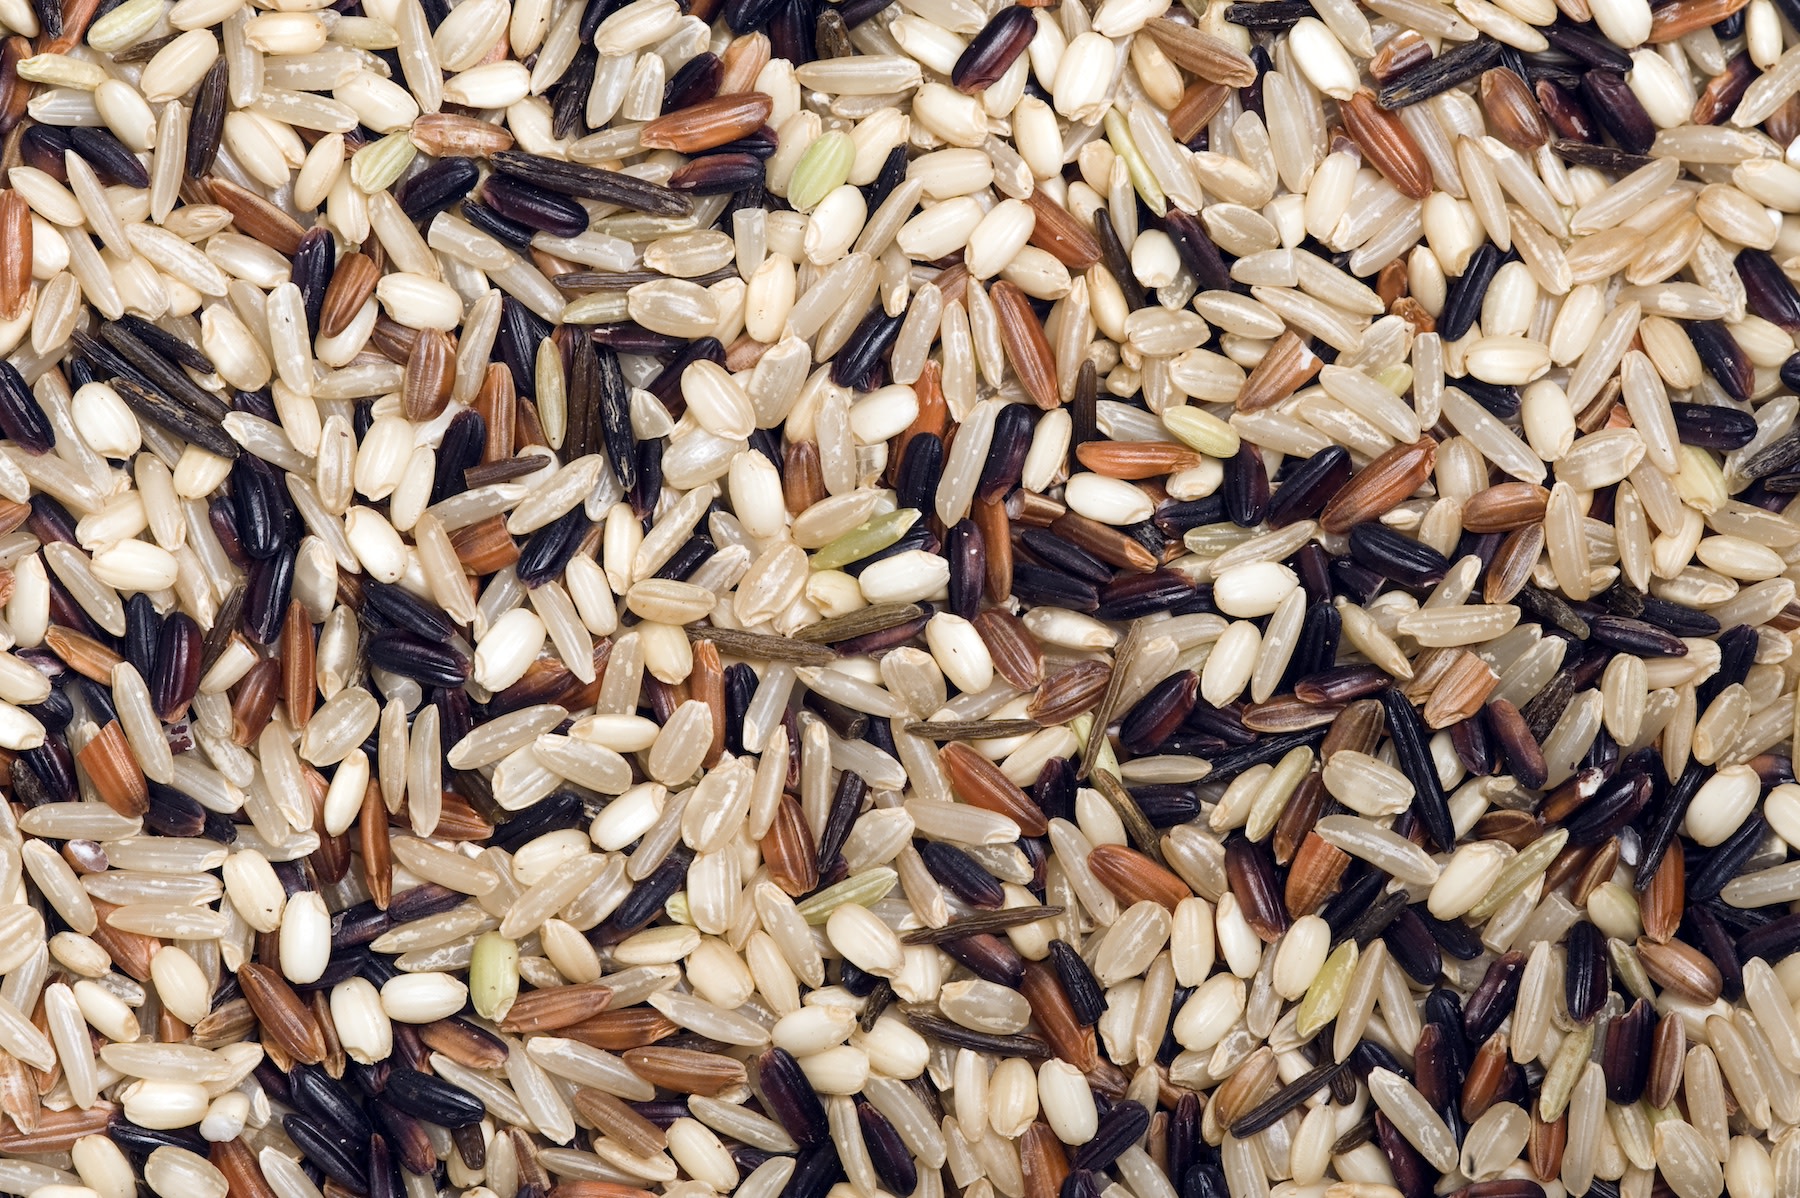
point(993, 50)
point(1413, 947)
point(1166, 806)
point(989, 957)
point(1769, 292)
point(1116, 261)
point(1711, 426)
point(432, 1099)
point(548, 551)
point(1674, 618)
point(1722, 356)
point(1725, 861)
point(1056, 553)
point(1434, 1068)
point(1636, 637)
point(695, 80)
point(534, 207)
point(111, 159)
point(1156, 716)
point(1363, 909)
point(1176, 518)
point(1083, 990)
point(1475, 748)
point(1197, 250)
point(1229, 765)
point(1039, 587)
point(790, 1098)
point(1006, 453)
point(432, 190)
point(164, 376)
point(1462, 306)
point(1412, 750)
point(1302, 494)
point(509, 232)
point(21, 417)
point(967, 554)
point(396, 607)
point(1130, 596)
point(1492, 1000)
point(1588, 974)
point(1277, 1106)
point(176, 678)
point(1246, 486)
point(329, 1101)
point(266, 596)
point(431, 662)
point(791, 31)
point(717, 174)
point(1616, 107)
point(1619, 801)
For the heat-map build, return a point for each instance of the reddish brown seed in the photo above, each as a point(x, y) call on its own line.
point(1680, 967)
point(615, 1031)
point(1043, 1162)
point(788, 849)
point(1512, 111)
point(686, 1071)
point(430, 372)
point(1111, 545)
point(253, 701)
point(1069, 692)
point(1207, 56)
point(1400, 54)
point(376, 848)
point(1288, 713)
point(1198, 105)
point(1135, 459)
point(1015, 652)
point(707, 684)
point(464, 1043)
point(1664, 900)
point(299, 687)
point(1251, 874)
point(1060, 235)
point(1515, 828)
point(1026, 346)
point(285, 1019)
point(1518, 747)
point(83, 654)
point(1544, 1148)
point(112, 766)
point(1672, 22)
point(1317, 869)
point(1358, 729)
point(1288, 366)
point(1485, 1073)
point(563, 1006)
point(459, 821)
point(618, 1119)
point(56, 1131)
point(485, 547)
point(1068, 1038)
point(802, 477)
point(15, 264)
point(708, 124)
point(1722, 92)
point(1512, 565)
point(255, 217)
point(1135, 878)
point(352, 285)
point(1505, 507)
point(498, 404)
point(1464, 686)
point(1387, 144)
point(1380, 486)
point(979, 782)
point(130, 951)
point(1297, 819)
point(996, 536)
point(1597, 872)
point(1668, 1052)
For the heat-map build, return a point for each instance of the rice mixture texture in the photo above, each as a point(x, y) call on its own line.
point(899, 599)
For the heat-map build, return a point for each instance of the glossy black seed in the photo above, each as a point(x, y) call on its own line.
point(206, 125)
point(1722, 356)
point(1039, 587)
point(1412, 749)
point(921, 468)
point(1462, 305)
point(1397, 556)
point(1156, 716)
point(1059, 554)
point(534, 207)
point(967, 556)
point(176, 677)
point(720, 173)
point(858, 363)
point(395, 607)
point(645, 900)
point(432, 1099)
point(548, 550)
point(21, 417)
point(1493, 999)
point(1709, 935)
point(592, 183)
point(792, 1101)
point(1771, 295)
point(329, 1101)
point(1197, 250)
point(1618, 802)
point(889, 1154)
point(1588, 974)
point(1120, 1128)
point(509, 232)
point(338, 1160)
point(1304, 490)
point(1130, 596)
point(1636, 636)
point(961, 874)
point(432, 190)
point(1246, 486)
point(410, 656)
point(1006, 452)
point(1439, 74)
point(1726, 860)
point(1413, 948)
point(111, 159)
point(266, 597)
